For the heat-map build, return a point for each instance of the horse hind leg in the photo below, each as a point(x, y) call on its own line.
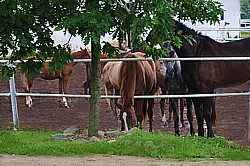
point(163, 115)
point(116, 110)
point(63, 90)
point(182, 112)
point(174, 104)
point(26, 84)
point(150, 113)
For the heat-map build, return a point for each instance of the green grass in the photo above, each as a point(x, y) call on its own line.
point(140, 143)
point(245, 34)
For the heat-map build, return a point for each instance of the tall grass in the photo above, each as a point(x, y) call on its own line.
point(139, 143)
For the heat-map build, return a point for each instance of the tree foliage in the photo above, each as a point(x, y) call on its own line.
point(245, 9)
point(26, 25)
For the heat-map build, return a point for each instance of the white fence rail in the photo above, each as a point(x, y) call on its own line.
point(13, 94)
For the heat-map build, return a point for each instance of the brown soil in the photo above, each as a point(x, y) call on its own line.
point(101, 160)
point(232, 112)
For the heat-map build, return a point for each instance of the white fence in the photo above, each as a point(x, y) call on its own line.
point(13, 94)
point(224, 34)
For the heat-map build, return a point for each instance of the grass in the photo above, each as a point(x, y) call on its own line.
point(245, 34)
point(140, 143)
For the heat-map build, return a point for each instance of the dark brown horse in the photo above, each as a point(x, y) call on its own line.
point(206, 76)
point(136, 78)
point(62, 76)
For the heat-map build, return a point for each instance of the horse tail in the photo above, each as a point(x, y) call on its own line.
point(213, 118)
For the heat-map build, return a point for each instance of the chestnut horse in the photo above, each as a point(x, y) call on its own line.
point(47, 75)
point(206, 76)
point(110, 72)
point(136, 78)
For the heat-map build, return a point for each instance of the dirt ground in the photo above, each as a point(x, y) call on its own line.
point(101, 160)
point(232, 112)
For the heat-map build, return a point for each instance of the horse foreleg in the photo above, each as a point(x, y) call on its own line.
point(117, 92)
point(60, 90)
point(213, 118)
point(162, 105)
point(86, 86)
point(190, 116)
point(29, 101)
point(174, 105)
point(182, 112)
point(150, 113)
point(170, 110)
point(199, 115)
point(207, 115)
point(140, 106)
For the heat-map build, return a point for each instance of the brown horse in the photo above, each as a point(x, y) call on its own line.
point(62, 76)
point(136, 78)
point(110, 72)
point(111, 82)
point(206, 76)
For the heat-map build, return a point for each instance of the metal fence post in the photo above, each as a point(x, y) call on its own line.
point(14, 103)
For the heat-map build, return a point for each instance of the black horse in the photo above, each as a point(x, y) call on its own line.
point(175, 85)
point(206, 76)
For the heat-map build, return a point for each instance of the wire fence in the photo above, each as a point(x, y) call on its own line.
point(13, 94)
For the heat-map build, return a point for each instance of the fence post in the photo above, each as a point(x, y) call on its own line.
point(14, 103)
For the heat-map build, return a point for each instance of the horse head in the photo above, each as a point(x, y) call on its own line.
point(127, 116)
point(82, 54)
point(173, 78)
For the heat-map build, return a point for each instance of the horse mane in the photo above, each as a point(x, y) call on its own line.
point(189, 31)
point(185, 29)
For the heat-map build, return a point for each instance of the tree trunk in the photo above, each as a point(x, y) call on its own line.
point(95, 90)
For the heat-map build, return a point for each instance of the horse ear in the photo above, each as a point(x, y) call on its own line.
point(81, 49)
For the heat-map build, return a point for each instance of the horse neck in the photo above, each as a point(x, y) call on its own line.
point(79, 55)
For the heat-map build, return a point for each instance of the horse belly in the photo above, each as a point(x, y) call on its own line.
point(50, 76)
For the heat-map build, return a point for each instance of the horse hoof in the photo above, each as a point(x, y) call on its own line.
point(192, 133)
point(177, 134)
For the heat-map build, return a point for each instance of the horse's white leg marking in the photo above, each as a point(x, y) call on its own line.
point(65, 103)
point(28, 101)
point(124, 115)
point(164, 119)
